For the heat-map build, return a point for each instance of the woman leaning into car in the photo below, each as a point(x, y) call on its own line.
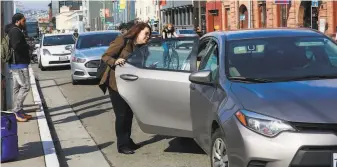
point(135, 37)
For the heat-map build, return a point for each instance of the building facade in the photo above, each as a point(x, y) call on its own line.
point(232, 15)
point(187, 14)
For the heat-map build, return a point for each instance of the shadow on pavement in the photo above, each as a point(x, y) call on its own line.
point(85, 149)
point(154, 139)
point(30, 150)
point(184, 145)
point(177, 144)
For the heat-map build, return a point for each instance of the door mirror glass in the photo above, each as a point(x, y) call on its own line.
point(202, 77)
point(68, 47)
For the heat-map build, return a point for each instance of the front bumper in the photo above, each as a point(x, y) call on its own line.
point(52, 61)
point(80, 72)
point(289, 149)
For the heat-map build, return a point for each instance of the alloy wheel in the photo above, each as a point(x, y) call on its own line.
point(219, 154)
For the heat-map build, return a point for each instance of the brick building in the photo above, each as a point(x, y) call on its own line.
point(231, 15)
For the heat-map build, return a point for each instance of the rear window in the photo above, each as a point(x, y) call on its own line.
point(58, 40)
point(187, 32)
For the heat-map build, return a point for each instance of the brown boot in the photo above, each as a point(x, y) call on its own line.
point(20, 117)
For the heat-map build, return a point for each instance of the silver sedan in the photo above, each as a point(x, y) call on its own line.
point(87, 53)
point(264, 97)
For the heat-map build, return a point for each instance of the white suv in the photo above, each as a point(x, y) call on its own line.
point(54, 50)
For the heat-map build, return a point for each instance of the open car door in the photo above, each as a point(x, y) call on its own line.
point(158, 89)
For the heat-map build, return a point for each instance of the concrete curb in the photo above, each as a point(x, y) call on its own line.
point(50, 156)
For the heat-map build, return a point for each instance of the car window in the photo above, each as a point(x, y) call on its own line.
point(281, 58)
point(186, 32)
point(211, 60)
point(58, 40)
point(95, 40)
point(165, 56)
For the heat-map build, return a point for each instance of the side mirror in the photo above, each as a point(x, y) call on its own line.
point(68, 47)
point(202, 77)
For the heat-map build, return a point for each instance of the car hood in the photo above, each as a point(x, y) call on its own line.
point(58, 49)
point(92, 52)
point(300, 101)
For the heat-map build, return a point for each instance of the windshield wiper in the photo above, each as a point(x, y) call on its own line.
point(310, 77)
point(256, 80)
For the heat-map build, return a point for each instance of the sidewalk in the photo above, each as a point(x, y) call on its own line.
point(36, 146)
point(30, 145)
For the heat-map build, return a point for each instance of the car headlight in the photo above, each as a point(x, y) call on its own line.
point(261, 124)
point(77, 59)
point(46, 52)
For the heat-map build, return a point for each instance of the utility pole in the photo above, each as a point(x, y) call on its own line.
point(159, 17)
point(199, 15)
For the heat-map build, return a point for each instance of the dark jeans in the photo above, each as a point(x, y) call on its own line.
point(124, 115)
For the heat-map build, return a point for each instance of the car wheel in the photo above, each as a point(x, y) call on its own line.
point(219, 157)
point(74, 82)
point(41, 67)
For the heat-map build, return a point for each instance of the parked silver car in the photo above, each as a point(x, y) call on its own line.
point(263, 98)
point(87, 53)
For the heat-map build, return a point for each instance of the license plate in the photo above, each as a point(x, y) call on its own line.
point(334, 160)
point(63, 58)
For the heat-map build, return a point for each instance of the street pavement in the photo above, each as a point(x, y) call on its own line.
point(30, 145)
point(96, 115)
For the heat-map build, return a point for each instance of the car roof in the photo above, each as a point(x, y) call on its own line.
point(264, 33)
point(99, 32)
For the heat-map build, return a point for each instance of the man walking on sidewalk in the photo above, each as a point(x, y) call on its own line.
point(18, 64)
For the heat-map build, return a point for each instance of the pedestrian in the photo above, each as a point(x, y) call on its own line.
point(126, 44)
point(75, 34)
point(18, 65)
point(168, 32)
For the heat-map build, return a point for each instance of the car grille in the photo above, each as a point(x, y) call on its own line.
point(63, 54)
point(316, 127)
point(92, 64)
point(92, 73)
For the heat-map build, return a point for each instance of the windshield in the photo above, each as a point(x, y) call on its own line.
point(187, 32)
point(58, 40)
point(95, 40)
point(282, 59)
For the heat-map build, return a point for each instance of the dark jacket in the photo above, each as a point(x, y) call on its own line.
point(109, 58)
point(19, 44)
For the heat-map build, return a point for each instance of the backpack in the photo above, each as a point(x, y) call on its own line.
point(6, 50)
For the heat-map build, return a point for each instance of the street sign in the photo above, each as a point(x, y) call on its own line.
point(314, 3)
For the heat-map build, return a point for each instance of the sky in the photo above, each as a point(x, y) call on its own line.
point(41, 4)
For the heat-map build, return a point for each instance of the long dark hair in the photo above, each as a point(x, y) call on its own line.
point(136, 29)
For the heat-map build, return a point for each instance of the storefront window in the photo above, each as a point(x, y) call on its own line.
point(263, 14)
point(283, 15)
point(228, 16)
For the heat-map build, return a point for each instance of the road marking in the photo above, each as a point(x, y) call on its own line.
point(50, 156)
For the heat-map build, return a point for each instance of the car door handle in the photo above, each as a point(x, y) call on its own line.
point(129, 77)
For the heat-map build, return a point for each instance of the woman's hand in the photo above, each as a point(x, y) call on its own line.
point(120, 62)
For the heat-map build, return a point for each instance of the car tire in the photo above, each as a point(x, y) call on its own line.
point(74, 82)
point(41, 67)
point(218, 149)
